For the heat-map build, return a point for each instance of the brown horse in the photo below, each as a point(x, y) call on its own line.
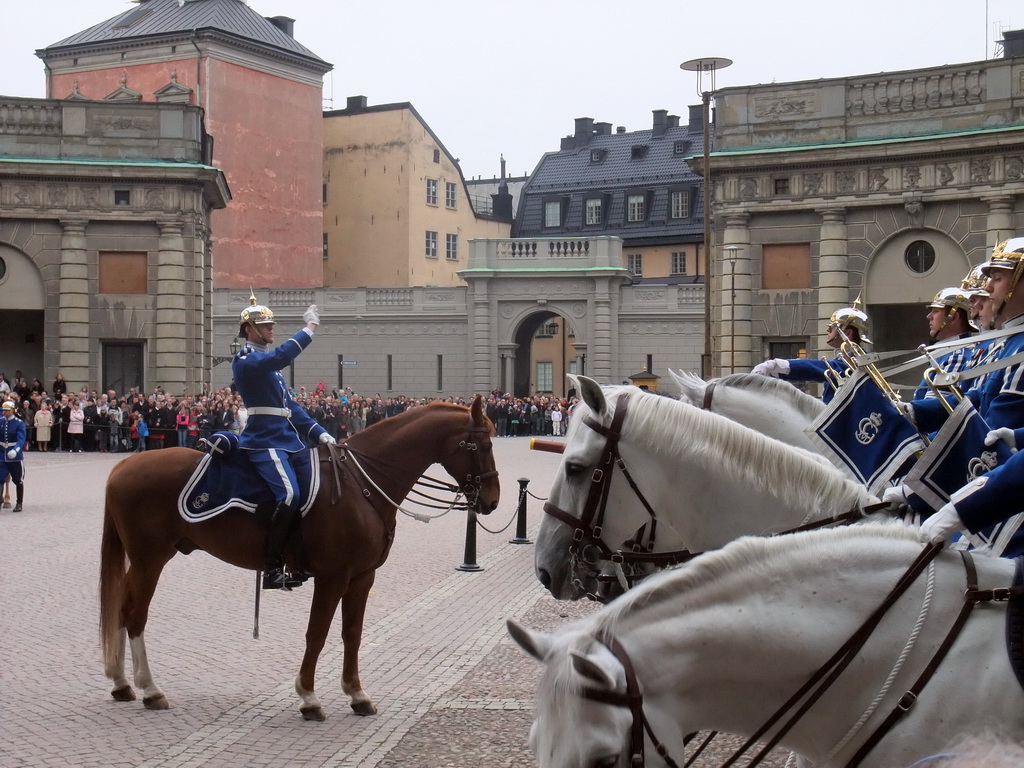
point(346, 535)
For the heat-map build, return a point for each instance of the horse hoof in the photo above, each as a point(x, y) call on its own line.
point(156, 702)
point(123, 694)
point(312, 713)
point(364, 708)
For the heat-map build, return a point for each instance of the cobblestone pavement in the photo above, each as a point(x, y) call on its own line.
point(451, 688)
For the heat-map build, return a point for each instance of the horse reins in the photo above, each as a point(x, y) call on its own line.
point(820, 681)
point(588, 527)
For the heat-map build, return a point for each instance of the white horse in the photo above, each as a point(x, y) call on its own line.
point(771, 406)
point(706, 480)
point(724, 641)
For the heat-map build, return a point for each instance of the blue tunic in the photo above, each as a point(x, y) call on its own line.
point(953, 362)
point(998, 397)
point(12, 437)
point(813, 369)
point(995, 497)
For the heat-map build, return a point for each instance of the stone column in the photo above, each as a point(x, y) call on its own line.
point(508, 366)
point(600, 360)
point(173, 306)
point(833, 267)
point(73, 316)
point(1000, 221)
point(581, 359)
point(480, 339)
point(736, 296)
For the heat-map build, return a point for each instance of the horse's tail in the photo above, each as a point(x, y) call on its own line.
point(112, 578)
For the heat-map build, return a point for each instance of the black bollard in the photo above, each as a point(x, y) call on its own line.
point(521, 514)
point(469, 558)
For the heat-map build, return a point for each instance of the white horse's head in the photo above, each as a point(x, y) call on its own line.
point(705, 478)
point(567, 566)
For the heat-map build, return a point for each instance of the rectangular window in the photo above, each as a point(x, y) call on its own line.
point(122, 197)
point(781, 186)
point(123, 272)
point(680, 204)
point(544, 376)
point(594, 210)
point(635, 264)
point(325, 245)
point(553, 214)
point(325, 193)
point(678, 263)
point(786, 266)
point(449, 195)
point(430, 250)
point(788, 350)
point(431, 191)
point(391, 383)
point(636, 208)
point(451, 247)
point(440, 372)
point(341, 373)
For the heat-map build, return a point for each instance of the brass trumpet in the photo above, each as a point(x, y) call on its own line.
point(929, 377)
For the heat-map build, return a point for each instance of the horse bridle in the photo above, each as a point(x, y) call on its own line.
point(587, 528)
point(472, 486)
point(819, 682)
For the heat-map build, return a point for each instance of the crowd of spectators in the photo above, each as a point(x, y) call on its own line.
point(116, 422)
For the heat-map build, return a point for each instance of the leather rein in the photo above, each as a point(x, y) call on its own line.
point(588, 548)
point(818, 683)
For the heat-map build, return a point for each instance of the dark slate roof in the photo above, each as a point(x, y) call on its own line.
point(161, 17)
point(572, 173)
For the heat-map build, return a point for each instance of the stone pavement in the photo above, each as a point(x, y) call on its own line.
point(451, 688)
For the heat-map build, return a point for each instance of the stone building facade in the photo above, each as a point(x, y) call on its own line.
point(887, 187)
point(104, 242)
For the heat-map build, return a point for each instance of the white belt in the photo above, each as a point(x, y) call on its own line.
point(261, 411)
point(9, 445)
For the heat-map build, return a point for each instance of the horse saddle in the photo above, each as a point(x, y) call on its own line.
point(225, 479)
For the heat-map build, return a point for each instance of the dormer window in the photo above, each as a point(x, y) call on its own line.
point(638, 152)
point(680, 147)
point(598, 155)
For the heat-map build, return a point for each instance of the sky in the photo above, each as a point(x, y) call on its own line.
point(493, 79)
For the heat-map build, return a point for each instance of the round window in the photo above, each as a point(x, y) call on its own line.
point(919, 256)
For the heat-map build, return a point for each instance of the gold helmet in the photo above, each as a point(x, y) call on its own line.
point(975, 283)
point(8, 405)
point(1006, 255)
point(256, 314)
point(851, 317)
point(951, 299)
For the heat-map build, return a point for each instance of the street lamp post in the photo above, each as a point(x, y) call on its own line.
point(732, 251)
point(709, 65)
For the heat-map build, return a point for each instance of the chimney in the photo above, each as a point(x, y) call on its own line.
point(355, 102)
point(1013, 43)
point(660, 122)
point(620, 129)
point(673, 121)
point(696, 120)
point(283, 23)
point(602, 129)
point(584, 130)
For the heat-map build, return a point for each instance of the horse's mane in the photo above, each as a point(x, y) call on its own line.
point(808, 406)
point(804, 404)
point(705, 441)
point(723, 574)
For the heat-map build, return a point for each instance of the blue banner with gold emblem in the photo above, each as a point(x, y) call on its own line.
point(956, 456)
point(862, 433)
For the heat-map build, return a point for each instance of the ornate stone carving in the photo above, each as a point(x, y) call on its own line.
point(946, 173)
point(748, 188)
point(911, 177)
point(154, 197)
point(813, 183)
point(846, 182)
point(1014, 168)
point(877, 180)
point(795, 105)
point(981, 170)
point(24, 195)
point(579, 310)
point(57, 196)
point(507, 310)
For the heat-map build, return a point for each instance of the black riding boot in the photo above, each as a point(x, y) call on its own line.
point(19, 495)
point(273, 568)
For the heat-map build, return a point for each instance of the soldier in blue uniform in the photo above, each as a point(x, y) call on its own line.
point(999, 396)
point(949, 316)
point(277, 425)
point(988, 500)
point(12, 443)
point(854, 324)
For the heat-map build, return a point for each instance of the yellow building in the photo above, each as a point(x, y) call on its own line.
point(397, 212)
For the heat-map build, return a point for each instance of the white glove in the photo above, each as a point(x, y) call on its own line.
point(312, 316)
point(12, 454)
point(774, 368)
point(907, 410)
point(325, 437)
point(896, 495)
point(942, 524)
point(1004, 434)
